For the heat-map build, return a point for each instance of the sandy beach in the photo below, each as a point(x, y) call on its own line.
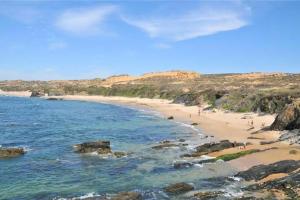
point(15, 93)
point(219, 124)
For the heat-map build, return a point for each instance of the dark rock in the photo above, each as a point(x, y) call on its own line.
point(194, 124)
point(261, 171)
point(292, 136)
point(180, 165)
point(288, 119)
point(289, 185)
point(171, 117)
point(101, 147)
point(267, 142)
point(213, 147)
point(54, 99)
point(37, 94)
point(208, 195)
point(11, 152)
point(181, 140)
point(119, 154)
point(179, 188)
point(127, 196)
point(164, 145)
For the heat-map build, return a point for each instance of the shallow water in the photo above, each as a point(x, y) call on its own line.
point(51, 170)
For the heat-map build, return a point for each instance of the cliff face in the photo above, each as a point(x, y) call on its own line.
point(288, 119)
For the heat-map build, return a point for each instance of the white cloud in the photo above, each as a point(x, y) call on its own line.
point(196, 23)
point(84, 20)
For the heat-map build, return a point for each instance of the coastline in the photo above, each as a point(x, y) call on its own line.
point(219, 124)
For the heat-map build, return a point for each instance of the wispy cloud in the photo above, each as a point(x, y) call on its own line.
point(84, 20)
point(196, 23)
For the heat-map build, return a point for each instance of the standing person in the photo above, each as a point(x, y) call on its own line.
point(199, 111)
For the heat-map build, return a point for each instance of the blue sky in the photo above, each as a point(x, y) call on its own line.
point(83, 39)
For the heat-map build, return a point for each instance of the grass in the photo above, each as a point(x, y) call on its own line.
point(232, 156)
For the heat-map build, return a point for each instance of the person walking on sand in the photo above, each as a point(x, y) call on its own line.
point(245, 144)
point(199, 112)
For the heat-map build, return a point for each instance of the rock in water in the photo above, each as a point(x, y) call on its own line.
point(212, 147)
point(128, 196)
point(101, 147)
point(208, 195)
point(11, 152)
point(170, 118)
point(37, 94)
point(261, 171)
point(288, 119)
point(179, 188)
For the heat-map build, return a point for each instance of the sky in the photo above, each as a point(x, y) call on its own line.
point(46, 40)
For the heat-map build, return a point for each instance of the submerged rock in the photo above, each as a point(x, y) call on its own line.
point(165, 145)
point(208, 195)
point(54, 99)
point(261, 171)
point(101, 147)
point(213, 147)
point(119, 154)
point(127, 196)
point(179, 188)
point(11, 152)
point(288, 119)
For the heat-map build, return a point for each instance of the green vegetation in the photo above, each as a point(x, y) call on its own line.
point(252, 92)
point(232, 156)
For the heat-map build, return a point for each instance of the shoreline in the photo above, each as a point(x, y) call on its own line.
point(218, 124)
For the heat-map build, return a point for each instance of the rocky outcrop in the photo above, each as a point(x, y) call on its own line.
point(127, 196)
point(170, 118)
point(261, 171)
point(208, 195)
point(101, 147)
point(37, 94)
point(11, 152)
point(289, 185)
point(164, 144)
point(288, 119)
point(179, 188)
point(271, 104)
point(293, 136)
point(212, 147)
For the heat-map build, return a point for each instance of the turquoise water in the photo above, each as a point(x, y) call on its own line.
point(51, 170)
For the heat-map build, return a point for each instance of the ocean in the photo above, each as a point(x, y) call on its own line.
point(51, 169)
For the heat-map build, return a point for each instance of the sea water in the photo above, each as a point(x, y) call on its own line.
point(51, 169)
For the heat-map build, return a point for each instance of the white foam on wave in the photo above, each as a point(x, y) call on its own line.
point(197, 130)
point(85, 196)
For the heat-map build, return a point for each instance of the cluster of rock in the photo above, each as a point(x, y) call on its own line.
point(100, 147)
point(212, 147)
point(11, 152)
point(289, 184)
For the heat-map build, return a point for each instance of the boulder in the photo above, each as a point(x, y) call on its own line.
point(179, 188)
point(288, 119)
point(208, 195)
point(119, 154)
point(213, 147)
point(261, 171)
point(127, 196)
point(170, 118)
point(164, 145)
point(101, 147)
point(37, 94)
point(11, 152)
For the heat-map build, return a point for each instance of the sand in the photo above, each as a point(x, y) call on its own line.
point(219, 124)
point(16, 93)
